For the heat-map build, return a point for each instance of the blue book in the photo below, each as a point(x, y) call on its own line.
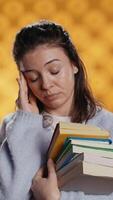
point(68, 139)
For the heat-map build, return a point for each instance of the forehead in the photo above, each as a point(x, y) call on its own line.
point(42, 55)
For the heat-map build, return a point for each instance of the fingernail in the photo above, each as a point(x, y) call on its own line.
point(20, 73)
point(17, 79)
point(50, 160)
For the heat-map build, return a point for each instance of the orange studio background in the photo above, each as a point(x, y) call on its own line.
point(90, 23)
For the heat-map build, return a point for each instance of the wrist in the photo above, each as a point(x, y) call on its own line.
point(55, 196)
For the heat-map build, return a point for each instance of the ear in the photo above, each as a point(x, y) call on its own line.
point(75, 69)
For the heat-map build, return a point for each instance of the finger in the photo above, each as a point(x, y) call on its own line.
point(20, 75)
point(18, 81)
point(17, 101)
point(22, 99)
point(23, 83)
point(39, 173)
point(51, 169)
point(23, 90)
point(35, 179)
point(32, 99)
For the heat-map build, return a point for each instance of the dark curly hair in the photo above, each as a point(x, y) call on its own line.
point(45, 32)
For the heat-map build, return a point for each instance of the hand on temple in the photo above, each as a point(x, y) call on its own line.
point(25, 101)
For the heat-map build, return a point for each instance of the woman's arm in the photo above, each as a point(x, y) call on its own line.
point(21, 154)
point(22, 151)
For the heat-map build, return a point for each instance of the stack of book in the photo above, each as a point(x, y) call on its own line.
point(83, 155)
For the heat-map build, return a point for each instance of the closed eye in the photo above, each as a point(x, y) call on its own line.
point(32, 76)
point(34, 80)
point(54, 73)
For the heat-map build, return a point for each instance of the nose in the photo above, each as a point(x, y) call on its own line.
point(46, 83)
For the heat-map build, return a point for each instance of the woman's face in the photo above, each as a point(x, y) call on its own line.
point(50, 76)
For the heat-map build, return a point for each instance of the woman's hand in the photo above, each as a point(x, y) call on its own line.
point(24, 102)
point(46, 188)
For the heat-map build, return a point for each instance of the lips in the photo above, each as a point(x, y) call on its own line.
point(51, 97)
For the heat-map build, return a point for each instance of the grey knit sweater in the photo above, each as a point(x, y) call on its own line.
point(24, 143)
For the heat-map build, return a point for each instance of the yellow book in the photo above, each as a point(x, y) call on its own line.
point(73, 126)
point(64, 130)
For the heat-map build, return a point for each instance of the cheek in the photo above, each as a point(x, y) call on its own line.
point(67, 80)
point(34, 89)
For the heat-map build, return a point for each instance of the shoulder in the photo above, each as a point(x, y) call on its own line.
point(20, 115)
point(103, 119)
point(7, 119)
point(20, 119)
point(104, 114)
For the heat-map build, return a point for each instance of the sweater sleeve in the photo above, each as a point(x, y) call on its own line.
point(19, 124)
point(21, 154)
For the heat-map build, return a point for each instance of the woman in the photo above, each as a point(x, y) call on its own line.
point(52, 87)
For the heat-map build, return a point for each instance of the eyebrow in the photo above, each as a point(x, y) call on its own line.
point(51, 61)
point(30, 70)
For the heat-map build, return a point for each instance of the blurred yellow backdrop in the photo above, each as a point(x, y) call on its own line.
point(90, 23)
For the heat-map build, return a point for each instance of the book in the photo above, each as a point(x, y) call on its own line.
point(64, 130)
point(73, 126)
point(102, 152)
point(75, 175)
point(89, 158)
point(86, 168)
point(83, 155)
point(90, 148)
point(100, 140)
point(93, 141)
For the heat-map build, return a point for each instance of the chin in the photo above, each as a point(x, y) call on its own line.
point(54, 105)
